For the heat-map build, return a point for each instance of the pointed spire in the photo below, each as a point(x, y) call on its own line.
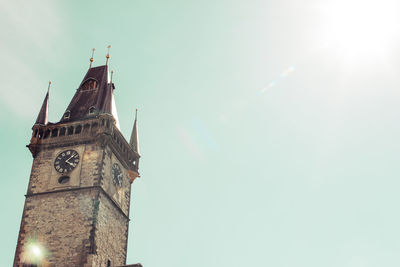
point(42, 117)
point(134, 142)
point(108, 54)
point(91, 59)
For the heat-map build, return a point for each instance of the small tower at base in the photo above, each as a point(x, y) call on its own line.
point(76, 210)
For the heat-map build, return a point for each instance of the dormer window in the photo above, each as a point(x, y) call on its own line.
point(67, 114)
point(89, 85)
point(92, 110)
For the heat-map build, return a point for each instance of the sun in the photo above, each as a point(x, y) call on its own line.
point(359, 30)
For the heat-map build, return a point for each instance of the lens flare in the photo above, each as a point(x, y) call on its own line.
point(34, 252)
point(283, 75)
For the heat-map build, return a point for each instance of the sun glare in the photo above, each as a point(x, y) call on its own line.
point(360, 30)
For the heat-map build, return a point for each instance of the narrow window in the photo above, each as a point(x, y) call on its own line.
point(78, 129)
point(86, 127)
point(46, 134)
point(62, 131)
point(54, 133)
point(94, 126)
point(108, 263)
point(70, 130)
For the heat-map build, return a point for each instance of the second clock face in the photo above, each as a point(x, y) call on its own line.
point(116, 174)
point(66, 161)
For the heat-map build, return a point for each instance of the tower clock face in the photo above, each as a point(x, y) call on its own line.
point(66, 161)
point(116, 174)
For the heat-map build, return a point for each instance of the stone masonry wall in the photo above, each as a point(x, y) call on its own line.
point(111, 235)
point(60, 223)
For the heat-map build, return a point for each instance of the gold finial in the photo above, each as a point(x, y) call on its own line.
point(91, 59)
point(108, 53)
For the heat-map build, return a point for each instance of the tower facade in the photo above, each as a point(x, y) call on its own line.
point(76, 210)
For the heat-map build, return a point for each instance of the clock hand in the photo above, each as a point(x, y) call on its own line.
point(67, 161)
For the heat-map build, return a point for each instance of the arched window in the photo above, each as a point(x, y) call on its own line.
point(89, 85)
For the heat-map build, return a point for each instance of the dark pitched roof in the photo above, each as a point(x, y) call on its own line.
point(94, 93)
point(42, 116)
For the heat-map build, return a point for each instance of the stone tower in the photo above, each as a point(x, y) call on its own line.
point(76, 209)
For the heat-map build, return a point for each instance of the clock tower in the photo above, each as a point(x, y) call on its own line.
point(76, 210)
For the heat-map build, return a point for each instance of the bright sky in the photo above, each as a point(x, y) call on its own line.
point(269, 129)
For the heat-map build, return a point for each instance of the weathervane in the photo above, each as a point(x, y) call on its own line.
point(91, 59)
point(108, 54)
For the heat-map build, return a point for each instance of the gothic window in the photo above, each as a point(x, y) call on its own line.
point(62, 131)
point(89, 84)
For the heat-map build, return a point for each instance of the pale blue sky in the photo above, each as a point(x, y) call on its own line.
point(269, 129)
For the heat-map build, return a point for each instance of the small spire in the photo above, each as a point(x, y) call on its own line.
point(91, 59)
point(134, 142)
point(112, 72)
point(42, 117)
point(108, 54)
